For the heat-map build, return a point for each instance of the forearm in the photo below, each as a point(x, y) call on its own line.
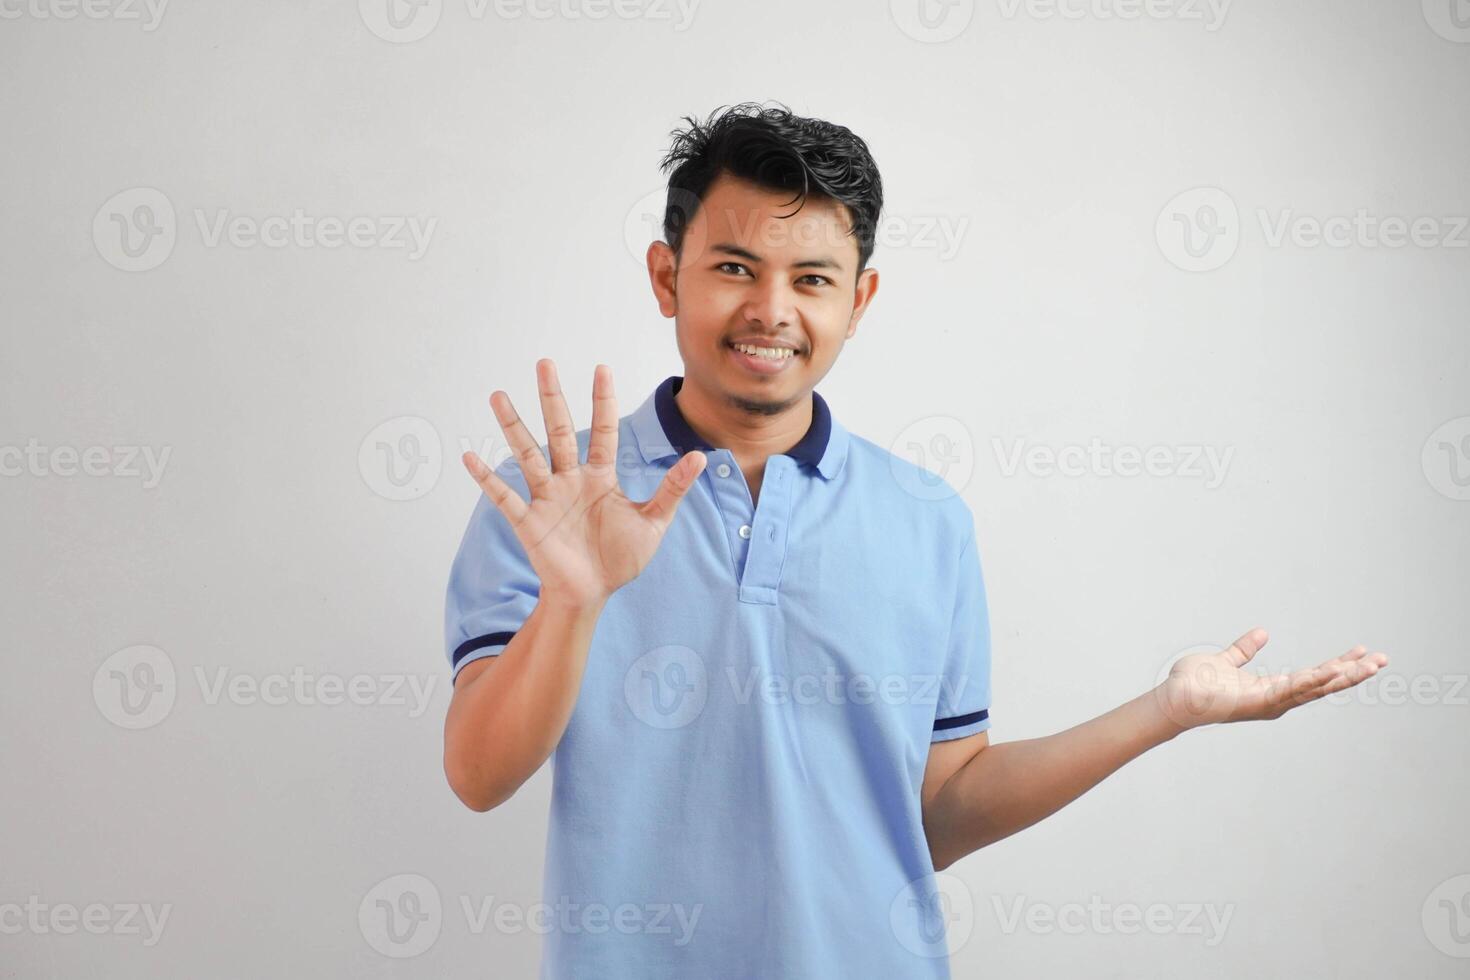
point(505, 722)
point(1012, 785)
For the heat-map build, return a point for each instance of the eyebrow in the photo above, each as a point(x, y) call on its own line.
point(749, 256)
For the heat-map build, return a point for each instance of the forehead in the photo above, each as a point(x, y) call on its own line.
point(765, 222)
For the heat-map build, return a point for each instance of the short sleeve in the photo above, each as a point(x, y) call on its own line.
point(492, 586)
point(964, 690)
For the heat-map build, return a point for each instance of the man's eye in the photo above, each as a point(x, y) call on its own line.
point(820, 280)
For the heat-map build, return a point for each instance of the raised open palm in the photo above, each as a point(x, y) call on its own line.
point(1212, 688)
point(583, 536)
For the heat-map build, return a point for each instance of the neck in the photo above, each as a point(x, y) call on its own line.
point(751, 430)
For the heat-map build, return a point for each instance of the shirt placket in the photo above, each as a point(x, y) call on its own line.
point(756, 532)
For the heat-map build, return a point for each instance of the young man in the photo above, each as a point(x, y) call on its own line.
point(765, 688)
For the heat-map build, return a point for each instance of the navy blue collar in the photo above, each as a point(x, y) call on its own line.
point(808, 451)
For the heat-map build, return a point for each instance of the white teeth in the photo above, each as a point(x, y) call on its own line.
point(774, 353)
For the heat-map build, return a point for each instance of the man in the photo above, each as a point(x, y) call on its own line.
point(765, 687)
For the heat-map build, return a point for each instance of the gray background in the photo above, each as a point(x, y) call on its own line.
point(1064, 154)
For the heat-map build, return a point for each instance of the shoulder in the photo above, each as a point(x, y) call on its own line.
point(926, 501)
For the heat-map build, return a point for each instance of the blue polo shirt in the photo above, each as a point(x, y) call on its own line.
point(737, 791)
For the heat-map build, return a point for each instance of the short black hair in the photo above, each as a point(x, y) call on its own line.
point(779, 151)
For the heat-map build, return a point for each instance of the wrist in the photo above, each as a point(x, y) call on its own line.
point(1168, 714)
point(567, 603)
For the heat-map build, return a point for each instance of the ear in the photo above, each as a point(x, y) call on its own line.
point(662, 276)
point(867, 288)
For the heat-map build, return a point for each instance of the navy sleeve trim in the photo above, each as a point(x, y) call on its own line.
point(478, 643)
point(959, 721)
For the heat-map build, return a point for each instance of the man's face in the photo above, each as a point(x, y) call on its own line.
point(748, 275)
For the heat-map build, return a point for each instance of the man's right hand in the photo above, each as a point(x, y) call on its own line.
point(583, 536)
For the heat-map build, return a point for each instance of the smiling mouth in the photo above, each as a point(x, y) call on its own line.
point(773, 354)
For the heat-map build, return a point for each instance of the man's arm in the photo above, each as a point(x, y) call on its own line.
point(509, 711)
point(582, 539)
point(975, 794)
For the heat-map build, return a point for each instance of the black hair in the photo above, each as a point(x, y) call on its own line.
point(779, 151)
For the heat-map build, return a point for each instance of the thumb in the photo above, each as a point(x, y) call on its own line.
point(1242, 650)
point(661, 506)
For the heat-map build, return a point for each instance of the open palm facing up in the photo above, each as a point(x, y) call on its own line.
point(1211, 688)
point(583, 536)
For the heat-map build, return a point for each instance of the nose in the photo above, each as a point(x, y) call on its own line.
point(770, 303)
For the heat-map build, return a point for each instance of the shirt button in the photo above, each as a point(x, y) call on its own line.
point(745, 530)
point(723, 469)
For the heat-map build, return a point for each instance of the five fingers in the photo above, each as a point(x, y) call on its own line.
point(561, 434)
